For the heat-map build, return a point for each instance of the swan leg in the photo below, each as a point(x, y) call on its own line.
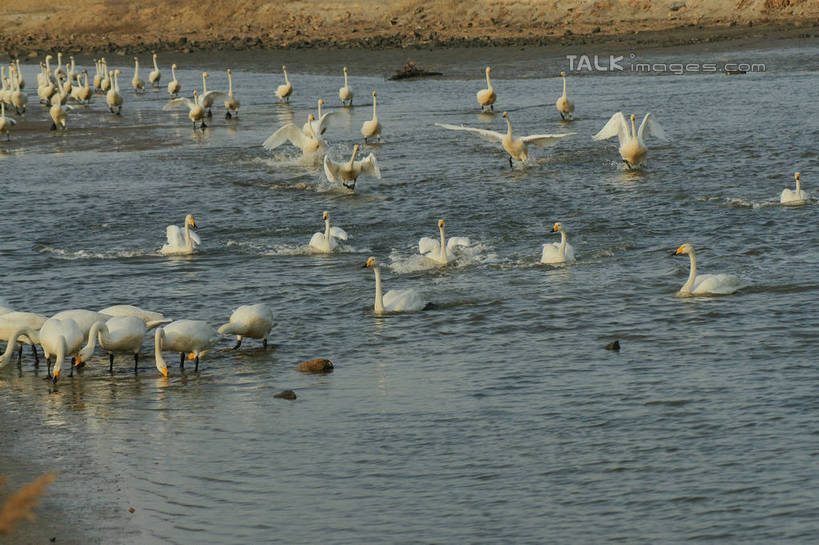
point(53, 126)
point(227, 115)
point(71, 367)
point(510, 161)
point(562, 117)
point(181, 360)
point(196, 364)
point(264, 342)
point(36, 357)
point(203, 126)
point(238, 343)
point(136, 362)
point(349, 186)
point(210, 114)
point(20, 354)
point(111, 362)
point(628, 165)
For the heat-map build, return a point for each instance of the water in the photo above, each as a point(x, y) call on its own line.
point(496, 417)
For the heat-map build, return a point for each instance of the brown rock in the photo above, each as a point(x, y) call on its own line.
point(318, 365)
point(286, 394)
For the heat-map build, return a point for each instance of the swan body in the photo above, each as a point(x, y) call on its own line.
point(443, 251)
point(107, 79)
point(13, 321)
point(319, 124)
point(174, 86)
point(558, 252)
point(284, 91)
point(307, 143)
point(18, 98)
point(193, 337)
point(61, 338)
point(137, 82)
point(517, 148)
point(97, 81)
point(345, 93)
point(705, 284)
point(155, 74)
point(788, 196)
point(486, 97)
point(196, 112)
point(632, 143)
point(207, 98)
point(58, 72)
point(252, 321)
point(231, 104)
point(21, 83)
point(394, 300)
point(6, 123)
point(58, 115)
point(347, 173)
point(112, 97)
point(121, 335)
point(326, 241)
point(372, 128)
point(179, 244)
point(85, 319)
point(563, 104)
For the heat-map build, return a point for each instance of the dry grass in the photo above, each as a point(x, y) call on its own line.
point(21, 504)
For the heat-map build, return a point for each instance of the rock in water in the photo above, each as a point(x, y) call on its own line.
point(318, 365)
point(286, 394)
point(613, 345)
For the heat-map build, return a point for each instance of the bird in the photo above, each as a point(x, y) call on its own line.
point(307, 143)
point(319, 123)
point(58, 114)
point(347, 173)
point(5, 122)
point(194, 337)
point(231, 105)
point(18, 98)
point(393, 300)
point(443, 251)
point(517, 148)
point(174, 86)
point(112, 97)
point(251, 321)
point(136, 82)
point(326, 241)
point(558, 252)
point(97, 81)
point(107, 79)
point(84, 318)
point(284, 90)
point(705, 284)
point(82, 93)
point(371, 128)
point(155, 74)
point(21, 83)
point(632, 145)
point(563, 104)
point(121, 335)
point(58, 72)
point(12, 321)
point(195, 110)
point(61, 338)
point(345, 93)
point(486, 97)
point(207, 98)
point(177, 244)
point(788, 196)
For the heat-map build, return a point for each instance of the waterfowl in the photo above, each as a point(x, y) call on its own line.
point(632, 145)
point(307, 143)
point(284, 91)
point(486, 97)
point(179, 244)
point(788, 196)
point(558, 252)
point(193, 337)
point(326, 241)
point(112, 97)
point(196, 112)
point(348, 172)
point(231, 104)
point(174, 86)
point(136, 82)
point(5, 122)
point(345, 93)
point(705, 284)
point(155, 74)
point(207, 98)
point(319, 123)
point(563, 104)
point(372, 128)
point(443, 251)
point(251, 321)
point(393, 300)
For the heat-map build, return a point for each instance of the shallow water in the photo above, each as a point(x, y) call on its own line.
point(495, 417)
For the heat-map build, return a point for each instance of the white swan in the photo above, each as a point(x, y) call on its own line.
point(21, 83)
point(231, 104)
point(195, 110)
point(563, 104)
point(443, 251)
point(307, 143)
point(632, 145)
point(137, 82)
point(348, 172)
point(393, 300)
point(788, 196)
point(517, 148)
point(486, 97)
point(107, 79)
point(319, 124)
point(345, 93)
point(251, 321)
point(155, 74)
point(58, 72)
point(58, 114)
point(174, 86)
point(705, 284)
point(14, 321)
point(112, 97)
point(558, 252)
point(207, 98)
point(6, 123)
point(97, 81)
point(177, 244)
point(120, 335)
point(84, 318)
point(372, 128)
point(61, 338)
point(325, 242)
point(18, 98)
point(286, 89)
point(82, 93)
point(194, 337)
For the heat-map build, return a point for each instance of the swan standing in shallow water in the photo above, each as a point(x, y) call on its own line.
point(307, 143)
point(632, 145)
point(177, 244)
point(517, 148)
point(444, 251)
point(61, 338)
point(147, 316)
point(194, 337)
point(345, 93)
point(112, 97)
point(13, 321)
point(120, 335)
point(558, 252)
point(5, 122)
point(563, 104)
point(231, 104)
point(788, 196)
point(137, 82)
point(393, 300)
point(207, 98)
point(486, 97)
point(705, 284)
point(155, 74)
point(174, 86)
point(252, 321)
point(284, 91)
point(372, 128)
point(350, 171)
point(195, 110)
point(319, 124)
point(325, 242)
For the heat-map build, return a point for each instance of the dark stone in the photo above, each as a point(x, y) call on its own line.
point(318, 365)
point(286, 394)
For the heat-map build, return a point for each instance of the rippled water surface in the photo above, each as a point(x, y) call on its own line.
point(495, 417)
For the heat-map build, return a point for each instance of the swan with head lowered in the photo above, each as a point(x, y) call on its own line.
point(122, 335)
point(147, 316)
point(231, 104)
point(251, 321)
point(345, 93)
point(705, 284)
point(309, 144)
point(12, 321)
point(174, 86)
point(319, 124)
point(558, 252)
point(517, 148)
point(372, 128)
point(62, 338)
point(632, 143)
point(195, 110)
point(486, 97)
point(348, 172)
point(444, 251)
point(326, 241)
point(563, 104)
point(155, 74)
point(394, 300)
point(790, 196)
point(192, 337)
point(177, 243)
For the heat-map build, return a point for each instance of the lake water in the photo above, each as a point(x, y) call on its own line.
point(495, 417)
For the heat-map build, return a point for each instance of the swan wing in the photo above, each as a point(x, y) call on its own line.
point(331, 169)
point(339, 233)
point(616, 126)
point(317, 241)
point(214, 95)
point(543, 140)
point(428, 245)
point(195, 239)
point(369, 165)
point(403, 300)
point(11, 120)
point(491, 136)
point(653, 126)
point(177, 103)
point(457, 242)
point(321, 125)
point(715, 283)
point(285, 133)
point(174, 235)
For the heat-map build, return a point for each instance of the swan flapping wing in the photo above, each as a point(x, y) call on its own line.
point(543, 140)
point(195, 239)
point(177, 103)
point(11, 120)
point(320, 125)
point(617, 126)
point(457, 242)
point(339, 233)
point(285, 133)
point(653, 126)
point(491, 136)
point(331, 169)
point(213, 95)
point(174, 236)
point(369, 166)
point(428, 246)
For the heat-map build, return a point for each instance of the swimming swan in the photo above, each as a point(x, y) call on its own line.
point(517, 148)
point(632, 146)
point(193, 337)
point(345, 93)
point(155, 74)
point(350, 171)
point(231, 104)
point(307, 143)
point(444, 251)
point(286, 89)
point(195, 110)
point(486, 97)
point(177, 244)
point(325, 242)
point(788, 196)
point(563, 104)
point(558, 252)
point(393, 300)
point(252, 321)
point(174, 86)
point(371, 128)
point(705, 284)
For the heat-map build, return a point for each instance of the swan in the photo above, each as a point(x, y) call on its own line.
point(61, 338)
point(5, 122)
point(18, 334)
point(58, 72)
point(307, 143)
point(632, 146)
point(195, 110)
point(207, 97)
point(97, 81)
point(345, 93)
point(107, 80)
point(320, 123)
point(14, 321)
point(147, 316)
point(120, 335)
point(371, 128)
point(84, 318)
point(155, 74)
point(136, 82)
point(58, 114)
point(558, 252)
point(61, 94)
point(174, 86)
point(788, 196)
point(21, 83)
point(517, 148)
point(444, 251)
point(286, 89)
point(5, 86)
point(82, 93)
point(112, 97)
point(350, 171)
point(192, 336)
point(231, 105)
point(563, 104)
point(71, 72)
point(252, 321)
point(486, 97)
point(393, 300)
point(45, 69)
point(325, 242)
point(18, 98)
point(47, 89)
point(177, 244)
point(705, 284)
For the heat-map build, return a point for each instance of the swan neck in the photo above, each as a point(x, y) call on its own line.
point(327, 229)
point(204, 85)
point(488, 82)
point(508, 127)
point(11, 347)
point(98, 328)
point(173, 73)
point(345, 79)
point(379, 299)
point(352, 159)
point(374, 107)
point(286, 80)
point(633, 128)
point(443, 246)
point(798, 186)
point(691, 275)
point(230, 84)
point(564, 86)
point(188, 243)
point(319, 109)
point(562, 241)
point(155, 66)
point(159, 341)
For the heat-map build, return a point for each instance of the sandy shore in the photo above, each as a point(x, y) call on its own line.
point(91, 26)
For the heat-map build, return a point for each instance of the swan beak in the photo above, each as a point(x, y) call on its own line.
point(164, 371)
point(56, 376)
point(77, 361)
point(679, 251)
point(796, 175)
point(191, 356)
